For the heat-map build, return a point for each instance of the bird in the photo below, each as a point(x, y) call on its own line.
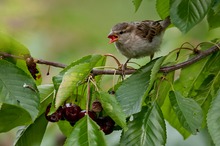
point(138, 39)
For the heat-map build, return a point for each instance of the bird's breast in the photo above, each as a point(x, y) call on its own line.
point(136, 47)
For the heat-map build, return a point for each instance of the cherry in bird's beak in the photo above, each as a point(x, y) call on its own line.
point(113, 38)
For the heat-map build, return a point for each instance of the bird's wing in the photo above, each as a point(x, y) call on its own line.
point(148, 29)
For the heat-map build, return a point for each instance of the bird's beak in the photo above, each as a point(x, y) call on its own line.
point(113, 37)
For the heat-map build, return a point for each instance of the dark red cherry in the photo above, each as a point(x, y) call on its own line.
point(106, 124)
point(55, 117)
point(92, 114)
point(109, 122)
point(105, 121)
point(100, 121)
point(106, 129)
point(71, 111)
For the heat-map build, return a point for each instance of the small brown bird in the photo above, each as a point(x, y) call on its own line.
point(138, 39)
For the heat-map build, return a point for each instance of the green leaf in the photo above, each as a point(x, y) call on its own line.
point(172, 118)
point(154, 72)
point(137, 4)
point(18, 89)
point(74, 76)
point(37, 129)
point(212, 17)
point(186, 14)
point(146, 129)
point(87, 59)
point(86, 133)
point(185, 83)
point(216, 6)
point(46, 96)
point(200, 85)
point(13, 116)
point(11, 46)
point(207, 89)
point(163, 8)
point(188, 111)
point(32, 135)
point(213, 119)
point(162, 88)
point(205, 84)
point(112, 108)
point(71, 80)
point(65, 127)
point(131, 93)
point(207, 92)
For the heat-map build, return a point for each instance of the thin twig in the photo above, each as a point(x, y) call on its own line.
point(111, 72)
point(54, 64)
point(199, 56)
point(11, 56)
point(39, 61)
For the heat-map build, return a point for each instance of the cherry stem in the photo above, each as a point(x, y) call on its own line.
point(88, 95)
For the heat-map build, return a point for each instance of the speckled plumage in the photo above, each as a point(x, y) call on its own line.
point(139, 39)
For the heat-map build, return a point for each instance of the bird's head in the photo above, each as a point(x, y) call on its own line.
point(120, 32)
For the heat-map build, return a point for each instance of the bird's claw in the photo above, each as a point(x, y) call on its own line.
point(124, 67)
point(121, 67)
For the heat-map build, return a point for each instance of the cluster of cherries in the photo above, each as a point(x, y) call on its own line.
point(73, 113)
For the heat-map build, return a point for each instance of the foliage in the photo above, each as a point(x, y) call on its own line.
point(139, 105)
point(87, 133)
point(147, 128)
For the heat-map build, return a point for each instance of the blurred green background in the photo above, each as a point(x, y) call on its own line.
point(64, 31)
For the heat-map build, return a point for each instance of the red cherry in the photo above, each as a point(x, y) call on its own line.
point(109, 122)
point(107, 130)
point(106, 124)
point(92, 114)
point(55, 117)
point(100, 121)
point(70, 112)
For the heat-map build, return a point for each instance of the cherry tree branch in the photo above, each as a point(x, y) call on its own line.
point(39, 61)
point(54, 64)
point(5, 55)
point(200, 55)
point(96, 72)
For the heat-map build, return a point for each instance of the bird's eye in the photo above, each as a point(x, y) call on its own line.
point(121, 32)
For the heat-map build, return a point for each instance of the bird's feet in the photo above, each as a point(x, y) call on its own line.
point(121, 67)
